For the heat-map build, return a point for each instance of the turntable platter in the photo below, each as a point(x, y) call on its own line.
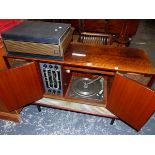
point(81, 88)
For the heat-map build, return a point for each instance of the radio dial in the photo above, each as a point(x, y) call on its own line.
point(55, 67)
point(50, 66)
point(45, 66)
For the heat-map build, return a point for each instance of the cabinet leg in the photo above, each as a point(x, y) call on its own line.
point(39, 108)
point(112, 121)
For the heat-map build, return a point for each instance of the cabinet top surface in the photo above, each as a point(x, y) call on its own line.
point(104, 58)
point(99, 57)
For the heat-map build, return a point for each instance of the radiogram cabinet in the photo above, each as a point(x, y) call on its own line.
point(124, 94)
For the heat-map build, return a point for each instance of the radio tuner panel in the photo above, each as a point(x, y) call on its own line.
point(51, 75)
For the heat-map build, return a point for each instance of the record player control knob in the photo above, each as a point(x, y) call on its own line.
point(55, 67)
point(54, 91)
point(49, 90)
point(58, 92)
point(68, 71)
point(45, 65)
point(50, 66)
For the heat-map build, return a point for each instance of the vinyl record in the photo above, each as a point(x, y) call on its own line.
point(81, 88)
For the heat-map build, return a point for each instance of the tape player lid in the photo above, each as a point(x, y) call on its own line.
point(37, 31)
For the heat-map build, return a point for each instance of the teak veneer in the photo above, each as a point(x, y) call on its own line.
point(129, 100)
point(109, 58)
point(3, 65)
point(103, 58)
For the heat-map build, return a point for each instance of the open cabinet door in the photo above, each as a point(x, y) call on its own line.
point(20, 86)
point(131, 102)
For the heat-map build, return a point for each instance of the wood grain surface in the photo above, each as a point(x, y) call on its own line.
point(110, 26)
point(131, 101)
point(103, 58)
point(10, 116)
point(115, 59)
point(20, 86)
point(127, 27)
point(3, 65)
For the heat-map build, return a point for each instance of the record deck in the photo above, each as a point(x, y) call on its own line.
point(87, 88)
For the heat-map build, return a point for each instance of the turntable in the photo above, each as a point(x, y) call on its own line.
point(87, 88)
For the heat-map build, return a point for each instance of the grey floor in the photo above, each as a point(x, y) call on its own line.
point(59, 122)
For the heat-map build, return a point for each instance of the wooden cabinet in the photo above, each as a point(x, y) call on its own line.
point(112, 26)
point(121, 29)
point(131, 101)
point(4, 113)
point(125, 98)
point(126, 27)
point(3, 65)
point(19, 86)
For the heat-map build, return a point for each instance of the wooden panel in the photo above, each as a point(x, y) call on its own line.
point(123, 26)
point(17, 63)
point(88, 70)
point(105, 25)
point(74, 23)
point(94, 25)
point(1, 43)
point(12, 116)
point(3, 107)
point(103, 58)
point(131, 101)
point(66, 76)
point(3, 65)
point(20, 86)
point(115, 59)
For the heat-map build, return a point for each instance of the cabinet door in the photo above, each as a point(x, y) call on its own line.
point(131, 101)
point(3, 65)
point(20, 86)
